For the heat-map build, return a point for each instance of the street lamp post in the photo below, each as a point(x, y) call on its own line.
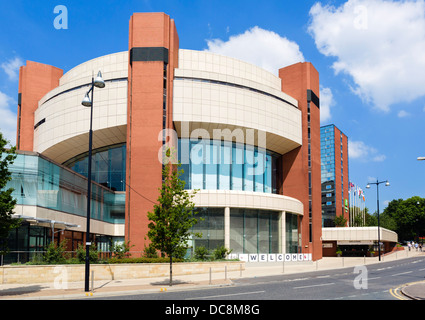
point(377, 201)
point(87, 102)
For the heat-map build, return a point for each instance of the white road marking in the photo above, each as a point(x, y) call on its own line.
point(226, 295)
point(316, 285)
point(397, 274)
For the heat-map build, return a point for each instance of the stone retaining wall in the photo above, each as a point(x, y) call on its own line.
point(49, 273)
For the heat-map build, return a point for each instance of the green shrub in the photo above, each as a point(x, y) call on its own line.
point(55, 254)
point(220, 253)
point(121, 250)
point(37, 258)
point(201, 253)
point(150, 252)
point(143, 260)
point(93, 254)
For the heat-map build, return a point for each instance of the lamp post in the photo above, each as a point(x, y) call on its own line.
point(377, 200)
point(87, 102)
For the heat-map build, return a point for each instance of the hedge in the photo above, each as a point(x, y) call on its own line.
point(143, 260)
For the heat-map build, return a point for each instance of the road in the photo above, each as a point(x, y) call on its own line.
point(371, 282)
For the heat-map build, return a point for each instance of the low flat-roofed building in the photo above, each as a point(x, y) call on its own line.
point(357, 241)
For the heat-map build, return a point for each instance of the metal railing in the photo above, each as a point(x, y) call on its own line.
point(21, 257)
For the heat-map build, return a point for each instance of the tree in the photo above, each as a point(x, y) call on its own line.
point(371, 220)
point(7, 202)
point(340, 221)
point(173, 216)
point(407, 216)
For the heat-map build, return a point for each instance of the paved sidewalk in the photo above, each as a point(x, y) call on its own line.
point(47, 291)
point(415, 291)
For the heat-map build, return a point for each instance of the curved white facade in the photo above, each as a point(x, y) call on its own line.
point(247, 200)
point(210, 92)
point(64, 133)
point(217, 92)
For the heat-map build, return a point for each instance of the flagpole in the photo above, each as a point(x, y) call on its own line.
point(355, 200)
point(349, 207)
point(364, 209)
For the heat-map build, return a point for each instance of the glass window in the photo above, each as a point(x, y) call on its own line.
point(211, 164)
point(250, 231)
point(197, 165)
point(264, 232)
point(275, 240)
point(183, 154)
point(237, 167)
point(254, 231)
point(268, 182)
point(108, 166)
point(39, 182)
point(223, 165)
point(249, 169)
point(259, 170)
point(237, 230)
point(211, 225)
point(291, 233)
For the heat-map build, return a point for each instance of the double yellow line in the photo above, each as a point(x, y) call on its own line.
point(396, 293)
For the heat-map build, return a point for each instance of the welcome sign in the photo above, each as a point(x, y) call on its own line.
point(271, 257)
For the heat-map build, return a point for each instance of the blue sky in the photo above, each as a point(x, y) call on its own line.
point(370, 55)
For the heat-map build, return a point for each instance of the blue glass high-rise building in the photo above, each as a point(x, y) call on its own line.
point(334, 172)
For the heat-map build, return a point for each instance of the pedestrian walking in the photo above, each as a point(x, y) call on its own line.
point(416, 246)
point(409, 245)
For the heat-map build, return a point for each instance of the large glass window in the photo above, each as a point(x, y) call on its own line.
point(254, 231)
point(211, 225)
point(237, 230)
point(251, 231)
point(108, 166)
point(223, 165)
point(237, 168)
point(249, 169)
point(39, 182)
point(292, 245)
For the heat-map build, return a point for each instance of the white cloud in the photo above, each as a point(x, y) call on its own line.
point(260, 47)
point(379, 158)
point(11, 67)
point(7, 119)
point(326, 102)
point(403, 114)
point(371, 179)
point(359, 150)
point(379, 43)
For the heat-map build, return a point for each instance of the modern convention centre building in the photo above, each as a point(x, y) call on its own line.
point(248, 139)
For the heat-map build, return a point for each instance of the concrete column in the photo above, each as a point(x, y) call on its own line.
point(227, 227)
point(283, 231)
